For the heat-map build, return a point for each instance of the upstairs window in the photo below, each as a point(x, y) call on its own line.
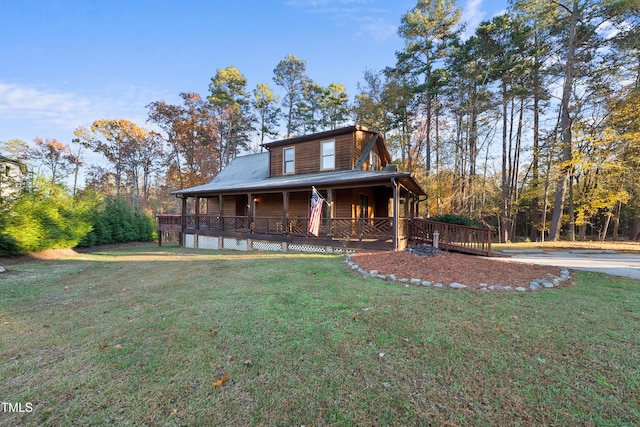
point(374, 161)
point(289, 160)
point(328, 155)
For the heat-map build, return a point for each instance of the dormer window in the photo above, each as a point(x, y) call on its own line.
point(289, 166)
point(328, 155)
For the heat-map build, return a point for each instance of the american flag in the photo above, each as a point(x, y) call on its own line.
point(315, 214)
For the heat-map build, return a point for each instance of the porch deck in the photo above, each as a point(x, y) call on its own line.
point(353, 233)
point(359, 233)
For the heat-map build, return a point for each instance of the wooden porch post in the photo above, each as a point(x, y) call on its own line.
point(197, 212)
point(330, 202)
point(221, 211)
point(396, 205)
point(285, 211)
point(251, 206)
point(183, 220)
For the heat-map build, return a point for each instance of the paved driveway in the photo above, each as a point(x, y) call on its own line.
point(610, 262)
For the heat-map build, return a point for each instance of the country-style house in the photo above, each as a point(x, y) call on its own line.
point(262, 201)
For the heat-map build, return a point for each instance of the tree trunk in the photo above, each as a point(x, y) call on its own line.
point(572, 213)
point(506, 159)
point(536, 215)
point(565, 129)
point(616, 220)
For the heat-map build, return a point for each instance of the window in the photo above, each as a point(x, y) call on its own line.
point(374, 161)
point(289, 160)
point(328, 155)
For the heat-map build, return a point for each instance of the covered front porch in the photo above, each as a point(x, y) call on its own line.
point(371, 217)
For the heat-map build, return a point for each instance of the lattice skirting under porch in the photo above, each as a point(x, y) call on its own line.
point(195, 241)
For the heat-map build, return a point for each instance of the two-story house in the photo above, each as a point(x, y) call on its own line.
point(12, 175)
point(262, 201)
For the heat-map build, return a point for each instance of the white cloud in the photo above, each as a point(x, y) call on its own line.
point(377, 28)
point(472, 16)
point(367, 20)
point(29, 103)
point(66, 111)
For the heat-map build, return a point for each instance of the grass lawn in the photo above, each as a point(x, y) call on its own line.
point(564, 245)
point(169, 336)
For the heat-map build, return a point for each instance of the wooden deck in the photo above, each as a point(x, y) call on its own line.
point(357, 233)
point(456, 238)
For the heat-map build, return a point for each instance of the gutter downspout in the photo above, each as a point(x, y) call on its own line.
point(395, 214)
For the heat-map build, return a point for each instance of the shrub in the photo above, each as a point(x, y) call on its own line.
point(8, 245)
point(117, 222)
point(40, 221)
point(455, 219)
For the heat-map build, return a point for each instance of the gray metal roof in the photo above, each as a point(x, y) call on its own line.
point(251, 173)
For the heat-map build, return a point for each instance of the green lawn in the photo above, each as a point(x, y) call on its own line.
point(169, 336)
point(564, 245)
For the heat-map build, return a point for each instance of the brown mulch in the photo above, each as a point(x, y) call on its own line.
point(451, 267)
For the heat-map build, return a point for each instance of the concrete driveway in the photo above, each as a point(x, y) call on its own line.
point(609, 262)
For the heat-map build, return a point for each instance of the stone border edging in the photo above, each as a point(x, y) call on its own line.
point(534, 285)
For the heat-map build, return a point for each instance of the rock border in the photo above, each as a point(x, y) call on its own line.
point(534, 285)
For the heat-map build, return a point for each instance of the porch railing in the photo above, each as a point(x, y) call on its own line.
point(452, 237)
point(169, 222)
point(335, 228)
point(374, 231)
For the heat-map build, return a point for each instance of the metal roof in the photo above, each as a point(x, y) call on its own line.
point(251, 174)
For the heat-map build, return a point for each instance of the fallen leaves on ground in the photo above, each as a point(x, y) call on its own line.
point(220, 382)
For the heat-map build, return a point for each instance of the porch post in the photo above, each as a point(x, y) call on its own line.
point(330, 202)
point(396, 205)
point(285, 210)
point(250, 211)
point(197, 212)
point(221, 212)
point(183, 220)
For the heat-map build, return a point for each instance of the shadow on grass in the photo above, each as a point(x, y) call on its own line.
point(145, 335)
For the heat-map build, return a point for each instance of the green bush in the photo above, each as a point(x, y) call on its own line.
point(455, 219)
point(8, 245)
point(116, 222)
point(38, 220)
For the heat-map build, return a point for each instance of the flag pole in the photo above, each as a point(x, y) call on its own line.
point(319, 195)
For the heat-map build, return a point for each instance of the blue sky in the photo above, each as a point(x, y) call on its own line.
point(66, 63)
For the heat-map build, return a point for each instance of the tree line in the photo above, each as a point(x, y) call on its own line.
point(529, 125)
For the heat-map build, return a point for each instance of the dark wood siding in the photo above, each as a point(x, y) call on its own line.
point(269, 205)
point(308, 155)
point(344, 152)
point(275, 161)
point(229, 207)
point(213, 206)
point(343, 201)
point(299, 204)
point(361, 139)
